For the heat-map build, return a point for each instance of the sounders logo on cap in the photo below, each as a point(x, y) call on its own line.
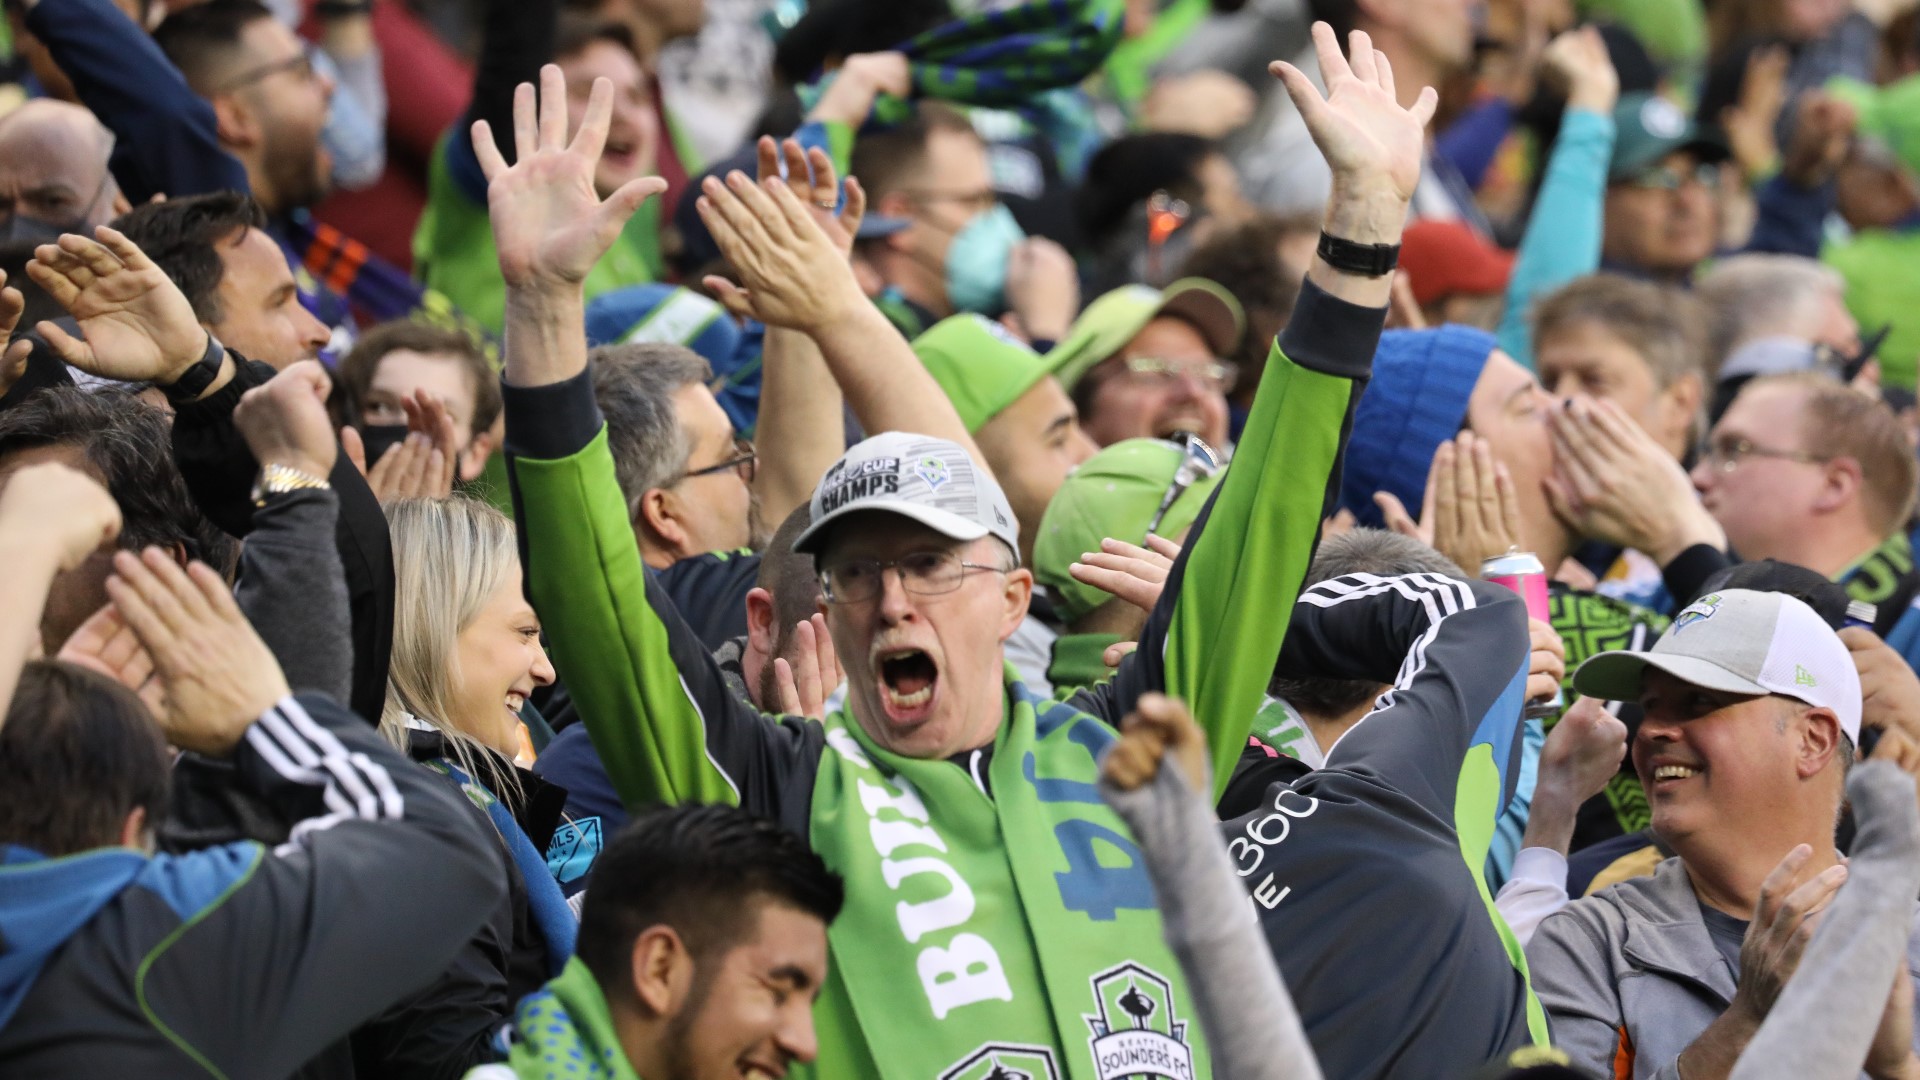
point(1662, 118)
point(1699, 611)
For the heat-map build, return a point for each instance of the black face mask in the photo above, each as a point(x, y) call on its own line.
point(380, 438)
point(21, 229)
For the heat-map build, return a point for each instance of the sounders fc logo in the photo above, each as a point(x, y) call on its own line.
point(1136, 1033)
point(1005, 1061)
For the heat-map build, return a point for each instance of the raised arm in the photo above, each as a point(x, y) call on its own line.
point(795, 277)
point(1213, 637)
point(663, 721)
point(51, 519)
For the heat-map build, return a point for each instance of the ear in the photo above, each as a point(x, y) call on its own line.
point(657, 515)
point(134, 832)
point(1841, 485)
point(662, 970)
point(1820, 737)
point(234, 121)
point(1016, 596)
point(761, 633)
point(120, 203)
point(474, 461)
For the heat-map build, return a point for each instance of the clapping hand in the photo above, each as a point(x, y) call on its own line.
point(1470, 511)
point(549, 224)
point(1613, 482)
point(1133, 573)
point(62, 508)
point(136, 324)
point(806, 685)
point(13, 363)
point(106, 644)
point(422, 465)
point(218, 675)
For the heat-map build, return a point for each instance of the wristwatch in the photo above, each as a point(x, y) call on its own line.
point(1368, 260)
point(281, 479)
point(194, 381)
point(336, 9)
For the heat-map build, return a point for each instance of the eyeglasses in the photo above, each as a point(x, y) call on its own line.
point(1726, 456)
point(301, 66)
point(1668, 178)
point(745, 461)
point(973, 202)
point(1216, 375)
point(922, 573)
point(1197, 462)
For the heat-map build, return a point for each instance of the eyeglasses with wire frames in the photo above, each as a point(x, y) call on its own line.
point(1198, 461)
point(1725, 455)
point(1218, 375)
point(301, 66)
point(745, 461)
point(1669, 178)
point(922, 573)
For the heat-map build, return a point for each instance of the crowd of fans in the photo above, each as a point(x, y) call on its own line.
point(960, 539)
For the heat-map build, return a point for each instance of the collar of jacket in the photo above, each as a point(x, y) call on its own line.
point(1666, 934)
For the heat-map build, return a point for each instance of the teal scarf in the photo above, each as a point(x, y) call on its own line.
point(989, 936)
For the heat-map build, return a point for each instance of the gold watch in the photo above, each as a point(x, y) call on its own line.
point(280, 479)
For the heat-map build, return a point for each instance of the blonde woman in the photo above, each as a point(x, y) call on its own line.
point(466, 655)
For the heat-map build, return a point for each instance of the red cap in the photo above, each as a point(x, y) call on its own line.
point(1442, 258)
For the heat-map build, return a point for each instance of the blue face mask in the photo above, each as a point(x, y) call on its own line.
point(977, 261)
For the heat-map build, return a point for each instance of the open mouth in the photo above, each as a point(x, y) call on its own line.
point(908, 678)
point(750, 1071)
point(1184, 423)
point(1668, 775)
point(515, 702)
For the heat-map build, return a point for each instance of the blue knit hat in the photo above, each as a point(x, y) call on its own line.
point(1416, 400)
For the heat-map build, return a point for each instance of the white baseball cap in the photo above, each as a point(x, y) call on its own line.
point(1739, 641)
point(932, 481)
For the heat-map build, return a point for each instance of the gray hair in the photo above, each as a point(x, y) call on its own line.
point(1754, 296)
point(1361, 551)
point(634, 386)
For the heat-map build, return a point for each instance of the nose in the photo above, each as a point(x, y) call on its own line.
point(1081, 446)
point(1704, 471)
point(325, 82)
point(894, 603)
point(796, 1036)
point(542, 670)
point(314, 333)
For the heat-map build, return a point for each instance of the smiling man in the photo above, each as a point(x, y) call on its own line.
point(703, 946)
point(994, 903)
point(1752, 711)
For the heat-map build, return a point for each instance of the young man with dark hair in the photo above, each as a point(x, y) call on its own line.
point(124, 444)
point(394, 360)
point(703, 946)
point(237, 960)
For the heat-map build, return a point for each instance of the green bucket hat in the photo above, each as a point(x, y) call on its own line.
point(981, 366)
point(1113, 320)
point(1114, 493)
point(1648, 127)
point(1890, 113)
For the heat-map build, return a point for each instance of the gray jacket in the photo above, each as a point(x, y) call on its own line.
point(1629, 976)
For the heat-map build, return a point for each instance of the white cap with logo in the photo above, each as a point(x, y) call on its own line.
point(932, 481)
point(1739, 641)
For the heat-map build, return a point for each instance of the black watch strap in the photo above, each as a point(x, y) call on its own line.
point(194, 381)
point(335, 9)
point(1369, 260)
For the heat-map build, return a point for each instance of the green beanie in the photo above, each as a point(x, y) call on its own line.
point(1890, 113)
point(1114, 494)
point(981, 366)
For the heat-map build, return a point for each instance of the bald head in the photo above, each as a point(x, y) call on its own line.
point(53, 170)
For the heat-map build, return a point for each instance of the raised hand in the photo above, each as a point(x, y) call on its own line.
point(806, 686)
point(1043, 289)
point(219, 676)
point(1889, 690)
point(793, 275)
point(1578, 58)
point(1371, 143)
point(136, 324)
point(1547, 664)
point(1470, 510)
point(1750, 122)
point(422, 465)
point(13, 363)
point(810, 176)
point(1582, 752)
point(1159, 729)
point(549, 224)
point(860, 79)
point(1792, 899)
point(106, 644)
point(285, 420)
point(1135, 574)
point(60, 510)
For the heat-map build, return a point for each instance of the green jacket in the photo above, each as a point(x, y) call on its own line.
point(668, 729)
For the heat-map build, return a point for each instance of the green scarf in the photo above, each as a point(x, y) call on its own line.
point(1079, 661)
point(997, 936)
point(563, 1031)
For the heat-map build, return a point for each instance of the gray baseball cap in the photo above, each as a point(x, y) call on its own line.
point(1739, 641)
point(932, 481)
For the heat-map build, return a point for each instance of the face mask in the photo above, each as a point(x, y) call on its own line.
point(977, 261)
point(380, 438)
point(21, 229)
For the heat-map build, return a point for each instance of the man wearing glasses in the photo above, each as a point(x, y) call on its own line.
point(1806, 470)
point(1148, 363)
